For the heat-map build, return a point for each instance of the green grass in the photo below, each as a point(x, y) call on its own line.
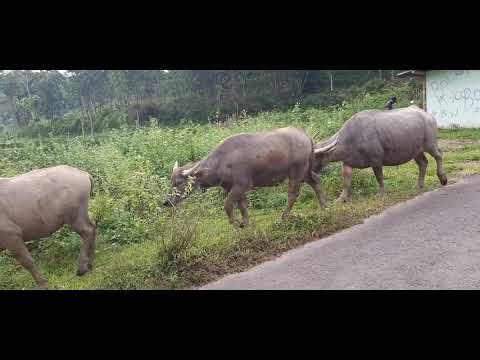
point(141, 245)
point(459, 134)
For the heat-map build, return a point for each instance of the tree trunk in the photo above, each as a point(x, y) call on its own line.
point(53, 116)
point(157, 87)
point(28, 88)
point(302, 85)
point(331, 80)
point(380, 74)
point(25, 80)
point(95, 113)
point(91, 127)
point(32, 113)
point(244, 86)
point(83, 128)
point(275, 91)
point(94, 106)
point(85, 114)
point(13, 104)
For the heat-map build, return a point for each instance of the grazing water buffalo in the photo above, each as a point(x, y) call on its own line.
point(36, 204)
point(246, 161)
point(375, 138)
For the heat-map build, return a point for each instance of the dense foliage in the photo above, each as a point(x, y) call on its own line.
point(90, 101)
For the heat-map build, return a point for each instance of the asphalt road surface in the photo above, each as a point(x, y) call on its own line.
point(430, 242)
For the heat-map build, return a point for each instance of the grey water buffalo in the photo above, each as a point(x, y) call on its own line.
point(246, 161)
point(376, 138)
point(36, 204)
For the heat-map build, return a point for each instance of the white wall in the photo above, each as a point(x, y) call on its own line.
point(453, 97)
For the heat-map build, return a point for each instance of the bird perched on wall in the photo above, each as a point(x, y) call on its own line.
point(389, 104)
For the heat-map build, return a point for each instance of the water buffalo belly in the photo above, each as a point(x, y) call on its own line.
point(401, 153)
point(268, 178)
point(38, 215)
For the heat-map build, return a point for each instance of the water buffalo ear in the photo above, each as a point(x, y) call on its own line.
point(175, 166)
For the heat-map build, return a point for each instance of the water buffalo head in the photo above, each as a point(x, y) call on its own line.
point(184, 179)
point(322, 154)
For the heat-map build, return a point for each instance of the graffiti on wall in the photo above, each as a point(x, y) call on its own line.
point(454, 96)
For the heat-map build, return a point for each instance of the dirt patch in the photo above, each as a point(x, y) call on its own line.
point(456, 144)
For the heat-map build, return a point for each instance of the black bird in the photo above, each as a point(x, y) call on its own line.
point(390, 102)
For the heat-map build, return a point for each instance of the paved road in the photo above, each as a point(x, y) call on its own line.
point(430, 242)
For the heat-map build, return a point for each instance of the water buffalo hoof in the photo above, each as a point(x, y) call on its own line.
point(443, 180)
point(286, 216)
point(83, 271)
point(236, 224)
point(42, 286)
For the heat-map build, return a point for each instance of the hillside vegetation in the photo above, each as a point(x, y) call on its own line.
point(90, 101)
point(142, 245)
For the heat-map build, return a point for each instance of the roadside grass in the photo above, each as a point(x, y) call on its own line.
point(141, 245)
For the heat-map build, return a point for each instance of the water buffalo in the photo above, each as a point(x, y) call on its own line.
point(36, 204)
point(376, 138)
point(246, 161)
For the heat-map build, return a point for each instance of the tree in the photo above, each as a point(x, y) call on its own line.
point(331, 79)
point(25, 78)
point(31, 105)
point(50, 88)
point(10, 86)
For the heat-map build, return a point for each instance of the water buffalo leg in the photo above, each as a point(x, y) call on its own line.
point(22, 255)
point(314, 182)
point(243, 206)
point(422, 162)
point(225, 193)
point(347, 183)
point(233, 197)
point(438, 156)
point(87, 232)
point(293, 190)
point(378, 171)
